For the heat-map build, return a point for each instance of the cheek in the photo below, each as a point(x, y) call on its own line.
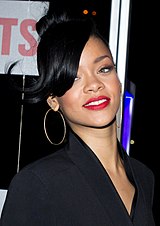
point(114, 87)
point(117, 85)
point(115, 91)
point(67, 102)
point(118, 93)
point(72, 96)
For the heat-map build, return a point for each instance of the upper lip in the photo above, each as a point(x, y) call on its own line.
point(97, 100)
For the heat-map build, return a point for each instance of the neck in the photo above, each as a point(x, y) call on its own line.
point(103, 142)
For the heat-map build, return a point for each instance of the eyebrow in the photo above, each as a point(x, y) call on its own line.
point(98, 59)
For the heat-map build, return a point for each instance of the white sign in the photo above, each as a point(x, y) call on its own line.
point(18, 36)
point(3, 194)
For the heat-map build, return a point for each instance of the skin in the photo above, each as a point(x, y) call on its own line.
point(97, 77)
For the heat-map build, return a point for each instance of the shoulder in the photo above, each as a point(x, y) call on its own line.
point(56, 162)
point(140, 169)
point(143, 175)
point(42, 170)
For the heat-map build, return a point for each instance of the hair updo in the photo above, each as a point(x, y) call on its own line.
point(62, 38)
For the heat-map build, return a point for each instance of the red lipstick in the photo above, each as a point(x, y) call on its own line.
point(97, 103)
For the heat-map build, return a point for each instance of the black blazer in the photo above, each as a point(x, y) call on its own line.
point(71, 188)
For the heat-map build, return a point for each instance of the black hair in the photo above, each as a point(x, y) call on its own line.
point(62, 39)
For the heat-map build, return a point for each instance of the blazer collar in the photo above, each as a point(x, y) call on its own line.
point(98, 179)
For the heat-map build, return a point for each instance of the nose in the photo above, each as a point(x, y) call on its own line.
point(93, 84)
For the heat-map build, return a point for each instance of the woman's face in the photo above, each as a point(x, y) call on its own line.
point(94, 98)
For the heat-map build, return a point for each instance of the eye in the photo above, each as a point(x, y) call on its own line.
point(106, 69)
point(76, 78)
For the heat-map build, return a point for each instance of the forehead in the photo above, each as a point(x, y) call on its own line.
point(95, 48)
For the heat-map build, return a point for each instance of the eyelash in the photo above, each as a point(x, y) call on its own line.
point(76, 78)
point(108, 68)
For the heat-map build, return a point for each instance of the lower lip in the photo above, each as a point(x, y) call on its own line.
point(97, 107)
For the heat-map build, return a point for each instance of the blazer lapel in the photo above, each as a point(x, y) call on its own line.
point(98, 180)
point(139, 216)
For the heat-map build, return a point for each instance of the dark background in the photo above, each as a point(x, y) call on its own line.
point(142, 70)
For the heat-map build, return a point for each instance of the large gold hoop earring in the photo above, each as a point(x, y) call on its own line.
point(45, 127)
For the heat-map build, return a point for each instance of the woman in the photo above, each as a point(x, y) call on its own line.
point(90, 180)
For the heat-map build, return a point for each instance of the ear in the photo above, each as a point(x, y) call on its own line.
point(53, 103)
